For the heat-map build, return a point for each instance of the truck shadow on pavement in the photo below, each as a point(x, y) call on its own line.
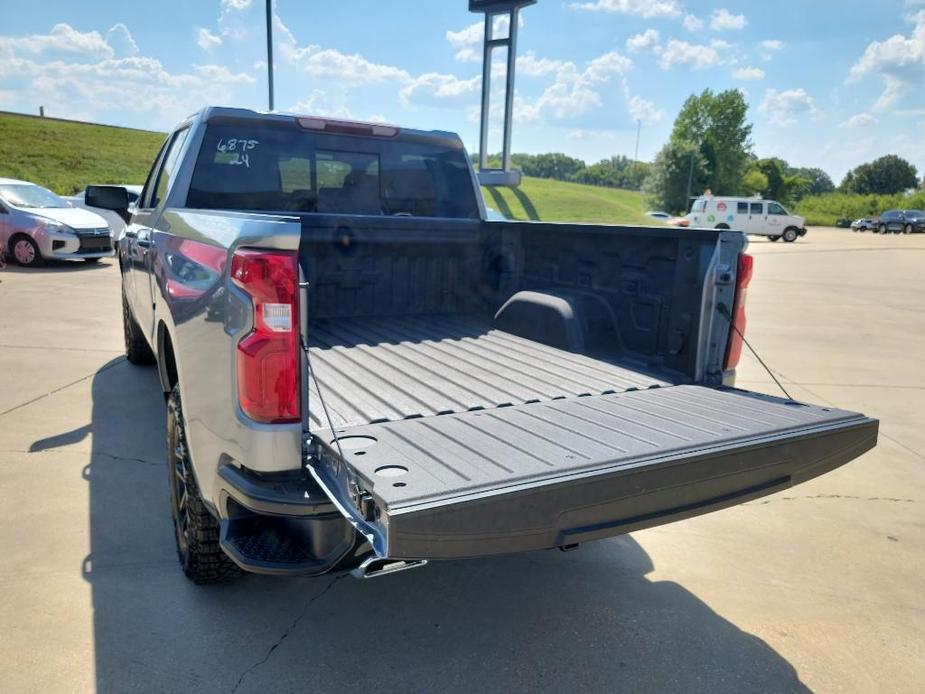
point(588, 620)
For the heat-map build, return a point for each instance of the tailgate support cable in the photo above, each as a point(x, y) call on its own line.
point(724, 312)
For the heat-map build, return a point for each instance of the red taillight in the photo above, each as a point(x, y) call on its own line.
point(269, 381)
point(737, 329)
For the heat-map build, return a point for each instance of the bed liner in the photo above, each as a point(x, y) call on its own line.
point(386, 369)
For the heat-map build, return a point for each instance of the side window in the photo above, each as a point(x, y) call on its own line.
point(148, 190)
point(742, 208)
point(774, 208)
point(757, 208)
point(168, 168)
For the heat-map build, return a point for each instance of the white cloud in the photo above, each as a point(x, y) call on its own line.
point(63, 41)
point(695, 56)
point(574, 92)
point(121, 41)
point(859, 120)
point(528, 64)
point(82, 75)
point(591, 135)
point(646, 41)
point(767, 49)
point(435, 89)
point(648, 9)
point(723, 20)
point(350, 69)
point(899, 61)
point(205, 39)
point(748, 74)
point(644, 110)
point(787, 107)
point(236, 4)
point(219, 74)
point(692, 22)
point(319, 103)
point(468, 41)
point(611, 63)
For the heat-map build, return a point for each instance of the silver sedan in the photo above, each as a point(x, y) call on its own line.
point(36, 224)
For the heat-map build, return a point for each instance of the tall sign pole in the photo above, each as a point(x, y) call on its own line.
point(270, 51)
point(505, 176)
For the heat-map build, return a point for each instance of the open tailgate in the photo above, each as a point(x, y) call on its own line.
point(556, 473)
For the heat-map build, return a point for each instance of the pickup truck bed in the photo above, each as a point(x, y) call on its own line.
point(382, 369)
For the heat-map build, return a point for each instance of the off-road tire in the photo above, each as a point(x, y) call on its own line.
point(137, 349)
point(882, 228)
point(907, 229)
point(790, 235)
point(196, 530)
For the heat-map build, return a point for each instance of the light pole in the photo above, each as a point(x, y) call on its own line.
point(504, 176)
point(270, 51)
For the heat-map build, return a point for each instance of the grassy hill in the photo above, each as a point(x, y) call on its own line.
point(65, 156)
point(556, 201)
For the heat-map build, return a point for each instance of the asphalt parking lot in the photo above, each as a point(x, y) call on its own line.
point(818, 587)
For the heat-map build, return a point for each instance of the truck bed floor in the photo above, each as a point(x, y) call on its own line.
point(386, 369)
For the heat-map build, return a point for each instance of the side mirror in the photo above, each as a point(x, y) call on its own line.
point(113, 198)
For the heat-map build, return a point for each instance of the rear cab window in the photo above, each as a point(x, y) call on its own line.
point(276, 166)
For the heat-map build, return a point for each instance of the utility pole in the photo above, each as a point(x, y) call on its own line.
point(270, 51)
point(690, 181)
point(638, 131)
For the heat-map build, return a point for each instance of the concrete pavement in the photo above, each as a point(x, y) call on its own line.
point(818, 587)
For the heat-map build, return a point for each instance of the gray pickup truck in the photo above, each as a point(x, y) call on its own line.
point(363, 373)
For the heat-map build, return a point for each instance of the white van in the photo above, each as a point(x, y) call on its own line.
point(751, 215)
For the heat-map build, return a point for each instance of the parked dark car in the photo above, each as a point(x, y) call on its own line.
point(902, 222)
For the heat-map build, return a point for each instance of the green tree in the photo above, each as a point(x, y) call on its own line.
point(884, 176)
point(666, 186)
point(616, 172)
point(820, 182)
point(755, 182)
point(716, 125)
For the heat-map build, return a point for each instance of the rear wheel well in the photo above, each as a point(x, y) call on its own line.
point(166, 361)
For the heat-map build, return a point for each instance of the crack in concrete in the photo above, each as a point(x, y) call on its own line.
point(156, 463)
point(285, 634)
point(849, 497)
point(64, 387)
point(62, 349)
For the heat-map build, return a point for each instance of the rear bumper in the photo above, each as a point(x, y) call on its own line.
point(281, 524)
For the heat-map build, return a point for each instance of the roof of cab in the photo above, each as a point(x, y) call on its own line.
point(211, 112)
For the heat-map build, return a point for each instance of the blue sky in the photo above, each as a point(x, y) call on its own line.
point(829, 83)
